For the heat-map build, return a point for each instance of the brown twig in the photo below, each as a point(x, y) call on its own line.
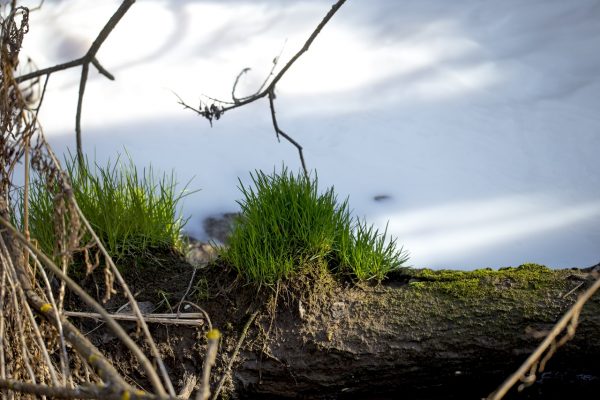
point(537, 360)
point(2, 346)
point(202, 311)
point(187, 290)
point(279, 132)
point(84, 62)
point(213, 337)
point(189, 382)
point(156, 383)
point(234, 354)
point(83, 346)
point(214, 112)
point(88, 391)
point(61, 335)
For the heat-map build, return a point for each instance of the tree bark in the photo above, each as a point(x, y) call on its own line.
point(428, 335)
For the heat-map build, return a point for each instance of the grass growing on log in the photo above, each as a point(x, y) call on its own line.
point(286, 225)
point(367, 254)
point(131, 212)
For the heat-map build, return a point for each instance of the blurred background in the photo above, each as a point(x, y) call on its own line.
point(471, 128)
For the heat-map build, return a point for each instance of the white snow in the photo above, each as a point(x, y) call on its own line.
point(479, 119)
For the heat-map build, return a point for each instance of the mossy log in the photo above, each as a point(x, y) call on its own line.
point(425, 334)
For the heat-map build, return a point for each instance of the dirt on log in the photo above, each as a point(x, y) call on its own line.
point(421, 335)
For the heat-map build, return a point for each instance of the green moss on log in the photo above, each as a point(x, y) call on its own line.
point(469, 303)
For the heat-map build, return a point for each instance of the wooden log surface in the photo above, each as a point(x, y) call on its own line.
point(426, 334)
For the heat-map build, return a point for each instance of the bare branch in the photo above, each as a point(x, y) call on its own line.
point(110, 25)
point(50, 70)
point(308, 43)
point(84, 62)
point(275, 62)
point(192, 319)
point(84, 392)
point(268, 91)
point(237, 79)
point(101, 69)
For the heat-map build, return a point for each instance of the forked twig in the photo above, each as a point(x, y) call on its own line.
point(215, 112)
point(84, 62)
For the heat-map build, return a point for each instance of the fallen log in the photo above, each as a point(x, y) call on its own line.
point(421, 335)
point(425, 334)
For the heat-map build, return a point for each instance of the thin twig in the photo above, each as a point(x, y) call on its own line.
point(568, 322)
point(275, 63)
point(213, 337)
point(82, 83)
point(101, 69)
point(63, 346)
point(85, 348)
point(197, 307)
point(167, 319)
point(87, 391)
point(570, 292)
point(278, 132)
point(2, 346)
point(237, 79)
point(234, 355)
point(189, 287)
point(50, 70)
point(13, 281)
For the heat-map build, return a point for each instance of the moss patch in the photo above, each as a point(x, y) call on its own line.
point(487, 282)
point(485, 297)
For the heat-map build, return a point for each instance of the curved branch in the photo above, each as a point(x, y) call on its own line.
point(237, 79)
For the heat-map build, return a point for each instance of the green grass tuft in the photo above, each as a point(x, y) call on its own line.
point(131, 212)
point(286, 225)
point(367, 254)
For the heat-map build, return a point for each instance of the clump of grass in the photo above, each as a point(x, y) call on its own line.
point(286, 225)
point(367, 253)
point(131, 212)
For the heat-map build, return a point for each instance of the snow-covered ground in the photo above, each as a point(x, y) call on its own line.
point(479, 120)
